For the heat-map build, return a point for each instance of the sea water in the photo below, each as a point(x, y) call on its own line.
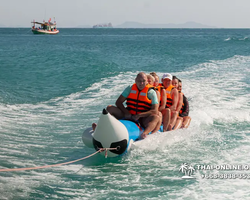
point(52, 87)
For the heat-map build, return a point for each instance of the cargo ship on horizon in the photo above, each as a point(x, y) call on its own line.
point(108, 25)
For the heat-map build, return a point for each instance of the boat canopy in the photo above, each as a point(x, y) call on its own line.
point(44, 23)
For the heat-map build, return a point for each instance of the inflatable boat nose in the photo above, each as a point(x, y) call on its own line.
point(110, 133)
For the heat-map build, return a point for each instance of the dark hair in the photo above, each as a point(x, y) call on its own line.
point(179, 80)
point(174, 77)
point(153, 73)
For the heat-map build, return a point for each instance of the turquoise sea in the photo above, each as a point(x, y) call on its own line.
point(53, 87)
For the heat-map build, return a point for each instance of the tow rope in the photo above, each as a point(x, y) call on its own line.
point(59, 164)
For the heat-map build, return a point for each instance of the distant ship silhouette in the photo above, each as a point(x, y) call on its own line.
point(109, 25)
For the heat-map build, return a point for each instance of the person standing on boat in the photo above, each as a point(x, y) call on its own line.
point(142, 105)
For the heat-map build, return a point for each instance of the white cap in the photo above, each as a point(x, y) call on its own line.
point(167, 75)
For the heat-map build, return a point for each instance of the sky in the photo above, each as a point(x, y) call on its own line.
point(74, 13)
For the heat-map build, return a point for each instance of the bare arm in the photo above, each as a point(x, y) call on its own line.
point(186, 107)
point(158, 95)
point(119, 104)
point(179, 102)
point(153, 110)
point(175, 98)
point(163, 100)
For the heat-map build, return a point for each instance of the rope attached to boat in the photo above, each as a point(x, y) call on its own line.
point(59, 164)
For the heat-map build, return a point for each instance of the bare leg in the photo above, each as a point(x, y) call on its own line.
point(173, 120)
point(186, 121)
point(178, 123)
point(158, 124)
point(150, 123)
point(166, 118)
point(158, 95)
point(116, 112)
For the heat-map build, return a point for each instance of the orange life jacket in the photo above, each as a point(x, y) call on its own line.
point(181, 110)
point(160, 84)
point(150, 85)
point(169, 98)
point(138, 101)
point(159, 88)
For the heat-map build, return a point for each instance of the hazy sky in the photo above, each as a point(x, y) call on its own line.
point(72, 13)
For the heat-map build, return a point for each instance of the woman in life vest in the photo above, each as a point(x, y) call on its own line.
point(153, 79)
point(184, 112)
point(142, 105)
point(169, 113)
point(175, 83)
point(161, 93)
point(151, 82)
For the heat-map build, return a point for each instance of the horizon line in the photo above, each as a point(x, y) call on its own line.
point(139, 27)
